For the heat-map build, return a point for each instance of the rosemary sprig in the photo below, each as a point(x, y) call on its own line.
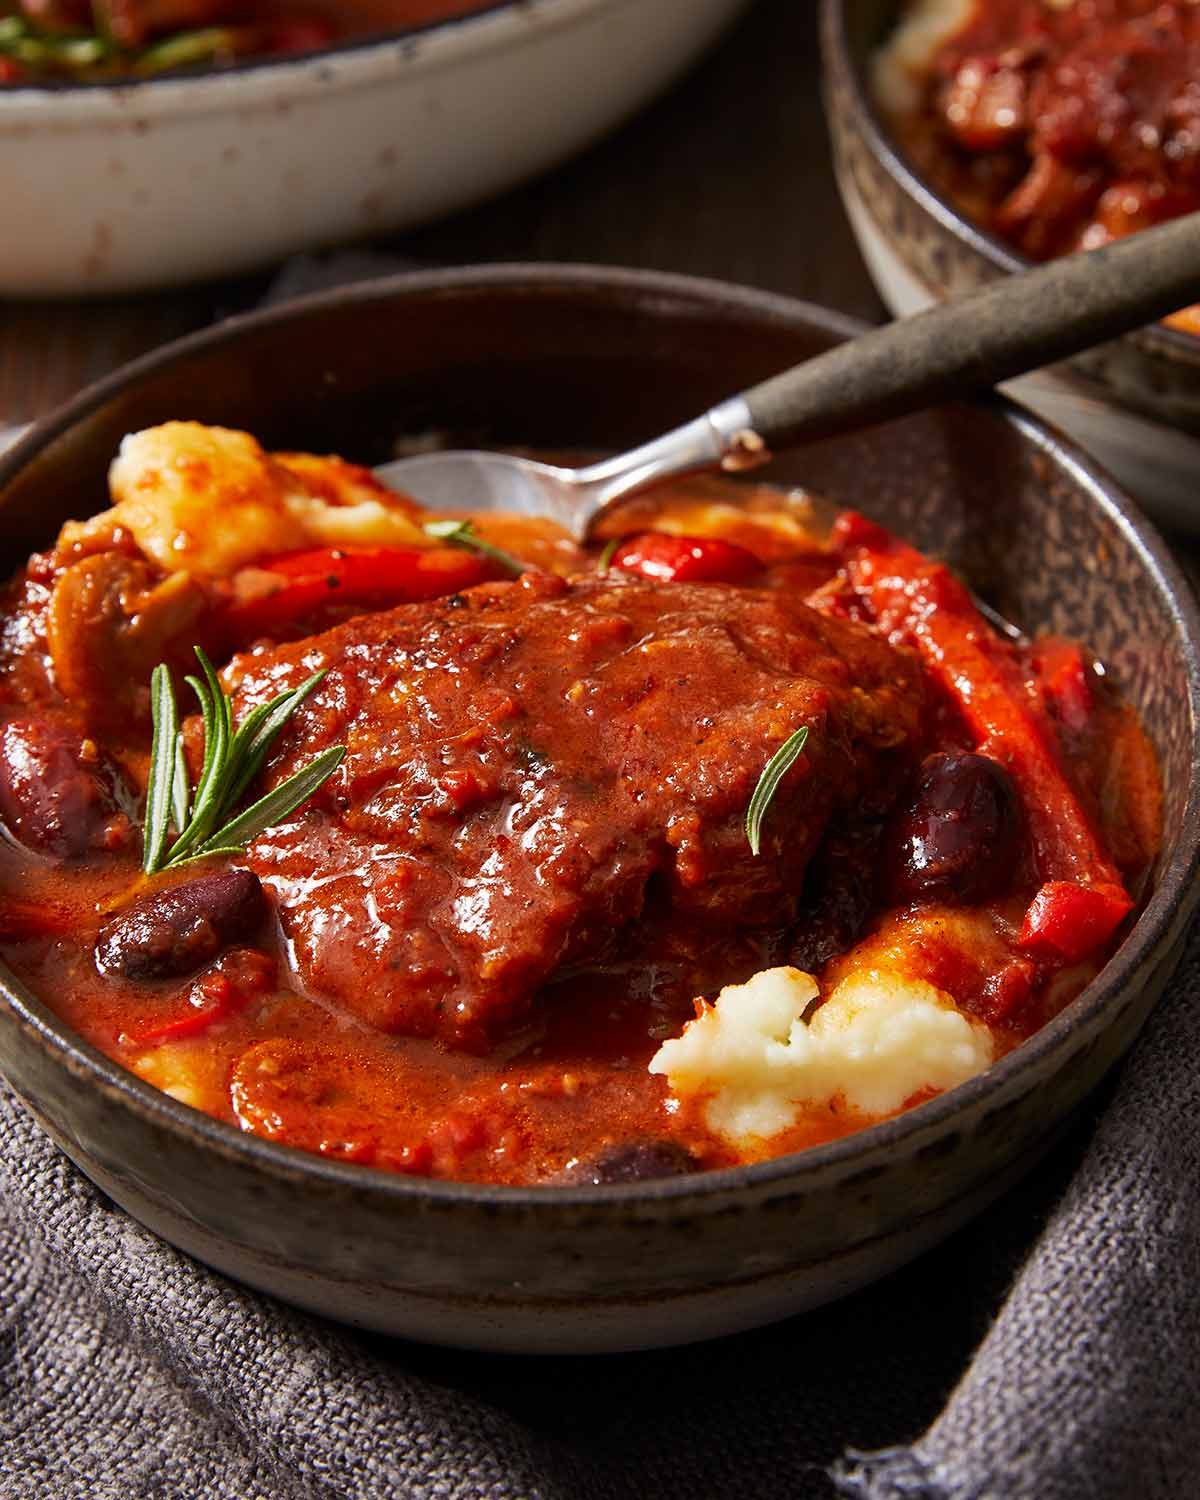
point(98, 53)
point(164, 758)
point(187, 48)
point(206, 822)
point(768, 784)
point(36, 49)
point(463, 534)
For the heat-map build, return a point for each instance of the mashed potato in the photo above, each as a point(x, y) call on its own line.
point(877, 1040)
point(900, 67)
point(208, 500)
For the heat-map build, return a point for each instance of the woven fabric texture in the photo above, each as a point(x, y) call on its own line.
point(128, 1371)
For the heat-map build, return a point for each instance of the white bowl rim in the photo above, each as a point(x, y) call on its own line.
point(351, 64)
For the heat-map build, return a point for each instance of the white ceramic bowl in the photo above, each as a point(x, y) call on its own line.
point(113, 188)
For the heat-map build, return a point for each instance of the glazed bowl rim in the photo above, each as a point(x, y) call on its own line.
point(350, 63)
point(1157, 927)
point(1171, 343)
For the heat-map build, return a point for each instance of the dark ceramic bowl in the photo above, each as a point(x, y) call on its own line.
point(579, 357)
point(1134, 402)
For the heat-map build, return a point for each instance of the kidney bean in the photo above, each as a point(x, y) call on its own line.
point(635, 1161)
point(176, 931)
point(58, 795)
point(959, 837)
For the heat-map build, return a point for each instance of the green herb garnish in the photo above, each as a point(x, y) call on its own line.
point(610, 551)
point(25, 44)
point(83, 54)
point(463, 534)
point(187, 48)
point(768, 784)
point(205, 822)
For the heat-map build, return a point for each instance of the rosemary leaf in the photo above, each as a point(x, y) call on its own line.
point(219, 695)
point(208, 711)
point(181, 791)
point(164, 715)
point(278, 803)
point(238, 771)
point(463, 534)
point(207, 853)
point(44, 50)
point(210, 804)
point(79, 52)
point(768, 784)
point(187, 48)
point(261, 729)
point(204, 821)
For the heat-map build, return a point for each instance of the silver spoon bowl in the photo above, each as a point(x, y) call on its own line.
point(1011, 327)
point(575, 498)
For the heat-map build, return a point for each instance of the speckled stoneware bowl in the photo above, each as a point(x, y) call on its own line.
point(111, 187)
point(581, 357)
point(1135, 403)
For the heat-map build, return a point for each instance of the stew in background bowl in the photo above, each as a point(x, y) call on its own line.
point(1134, 402)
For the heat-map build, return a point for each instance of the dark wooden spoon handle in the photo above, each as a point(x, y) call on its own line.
point(1015, 325)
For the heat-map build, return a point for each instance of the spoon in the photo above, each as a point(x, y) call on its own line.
point(1012, 326)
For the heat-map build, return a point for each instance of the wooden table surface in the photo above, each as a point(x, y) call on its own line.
point(728, 176)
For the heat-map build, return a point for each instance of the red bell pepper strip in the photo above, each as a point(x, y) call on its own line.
point(1068, 921)
point(685, 559)
point(212, 998)
point(379, 576)
point(21, 919)
point(921, 603)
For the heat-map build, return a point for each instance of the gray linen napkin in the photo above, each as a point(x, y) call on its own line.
point(1088, 1384)
point(127, 1371)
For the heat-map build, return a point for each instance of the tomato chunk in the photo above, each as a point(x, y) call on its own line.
point(367, 576)
point(221, 992)
point(1068, 921)
point(685, 559)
